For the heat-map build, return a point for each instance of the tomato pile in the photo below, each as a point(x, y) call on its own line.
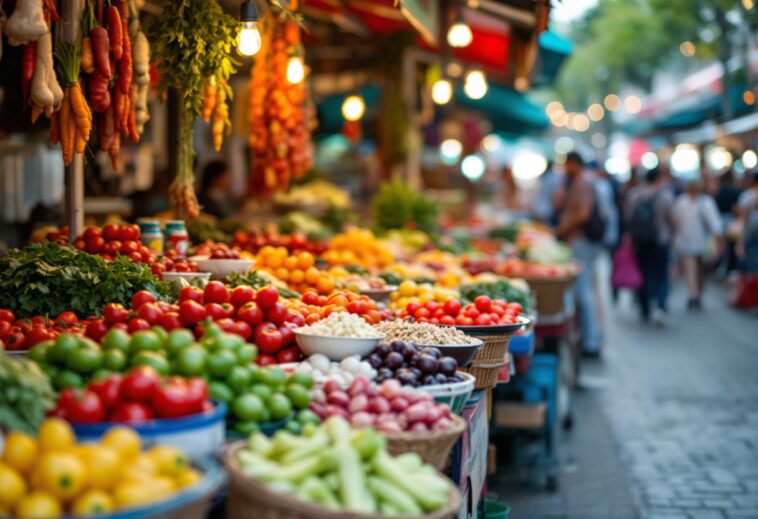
point(314, 307)
point(22, 334)
point(217, 250)
point(138, 396)
point(482, 312)
point(113, 240)
point(173, 262)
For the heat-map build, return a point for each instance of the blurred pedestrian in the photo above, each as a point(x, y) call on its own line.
point(650, 222)
point(697, 237)
point(511, 198)
point(579, 227)
point(543, 208)
point(726, 200)
point(747, 246)
point(606, 199)
point(213, 195)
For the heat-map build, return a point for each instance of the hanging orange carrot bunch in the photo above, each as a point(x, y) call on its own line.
point(74, 121)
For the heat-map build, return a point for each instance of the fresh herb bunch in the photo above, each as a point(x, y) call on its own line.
point(192, 40)
point(25, 395)
point(47, 279)
point(397, 205)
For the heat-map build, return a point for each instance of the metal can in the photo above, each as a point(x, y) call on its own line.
point(177, 237)
point(151, 235)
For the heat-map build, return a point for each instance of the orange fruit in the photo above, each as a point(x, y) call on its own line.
point(312, 275)
point(305, 260)
point(291, 263)
point(282, 273)
point(297, 276)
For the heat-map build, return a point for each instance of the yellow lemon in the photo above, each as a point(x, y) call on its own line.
point(139, 469)
point(38, 505)
point(170, 461)
point(12, 486)
point(188, 478)
point(55, 434)
point(104, 465)
point(61, 474)
point(123, 440)
point(133, 493)
point(92, 502)
point(20, 451)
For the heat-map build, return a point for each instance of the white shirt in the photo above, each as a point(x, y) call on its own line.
point(697, 221)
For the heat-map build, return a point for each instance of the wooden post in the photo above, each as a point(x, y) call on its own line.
point(68, 30)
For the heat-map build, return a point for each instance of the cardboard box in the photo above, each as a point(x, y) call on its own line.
point(520, 415)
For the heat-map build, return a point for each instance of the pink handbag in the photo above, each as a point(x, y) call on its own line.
point(626, 272)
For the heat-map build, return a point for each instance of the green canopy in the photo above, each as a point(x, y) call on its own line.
point(553, 51)
point(508, 110)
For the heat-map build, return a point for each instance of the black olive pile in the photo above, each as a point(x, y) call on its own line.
point(411, 366)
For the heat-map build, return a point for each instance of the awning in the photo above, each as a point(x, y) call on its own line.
point(553, 51)
point(508, 110)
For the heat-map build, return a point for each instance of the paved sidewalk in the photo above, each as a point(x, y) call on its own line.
point(667, 426)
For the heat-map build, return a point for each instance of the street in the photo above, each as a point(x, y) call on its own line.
point(666, 423)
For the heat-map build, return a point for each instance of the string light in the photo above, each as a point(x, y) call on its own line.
point(476, 84)
point(580, 122)
point(459, 35)
point(353, 108)
point(687, 48)
point(442, 91)
point(633, 104)
point(595, 112)
point(748, 97)
point(295, 70)
point(612, 102)
point(249, 37)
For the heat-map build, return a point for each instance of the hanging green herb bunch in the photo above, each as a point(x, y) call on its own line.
point(192, 40)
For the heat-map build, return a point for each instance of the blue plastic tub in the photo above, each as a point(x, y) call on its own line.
point(522, 344)
point(200, 435)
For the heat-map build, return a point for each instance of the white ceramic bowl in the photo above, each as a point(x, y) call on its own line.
point(380, 295)
point(189, 276)
point(455, 395)
point(220, 268)
point(336, 348)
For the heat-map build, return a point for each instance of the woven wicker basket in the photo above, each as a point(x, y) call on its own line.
point(486, 375)
point(250, 498)
point(433, 447)
point(494, 350)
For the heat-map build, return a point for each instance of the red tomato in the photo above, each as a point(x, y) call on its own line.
point(5, 329)
point(136, 324)
point(80, 244)
point(412, 307)
point(84, 407)
point(471, 311)
point(423, 320)
point(229, 309)
point(268, 339)
point(215, 311)
point(241, 295)
point(496, 309)
point(483, 303)
point(115, 313)
point(267, 297)
point(198, 385)
point(215, 292)
point(192, 312)
point(288, 336)
point(296, 319)
point(91, 232)
point(357, 307)
point(447, 320)
point(39, 322)
point(191, 294)
point(483, 320)
point(131, 413)
point(96, 329)
point(109, 390)
point(462, 320)
point(140, 383)
point(170, 321)
point(142, 297)
point(37, 335)
point(112, 248)
point(452, 307)
point(128, 232)
point(277, 314)
point(264, 359)
point(66, 318)
point(172, 400)
point(23, 325)
point(421, 313)
point(251, 313)
point(226, 324)
point(434, 320)
point(309, 298)
point(291, 354)
point(439, 313)
point(150, 312)
point(95, 245)
point(7, 315)
point(242, 329)
point(111, 232)
point(128, 247)
point(135, 256)
point(15, 341)
point(432, 306)
point(505, 320)
point(516, 307)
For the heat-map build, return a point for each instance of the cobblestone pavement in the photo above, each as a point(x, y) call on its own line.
point(680, 405)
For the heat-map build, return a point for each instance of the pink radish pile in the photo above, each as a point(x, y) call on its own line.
point(389, 408)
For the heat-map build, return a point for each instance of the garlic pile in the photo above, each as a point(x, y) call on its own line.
point(322, 369)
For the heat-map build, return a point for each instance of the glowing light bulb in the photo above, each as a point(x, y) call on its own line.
point(459, 35)
point(249, 39)
point(353, 108)
point(442, 92)
point(472, 167)
point(476, 84)
point(450, 151)
point(295, 70)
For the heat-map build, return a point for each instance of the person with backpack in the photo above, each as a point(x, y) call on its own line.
point(582, 226)
point(650, 226)
point(698, 235)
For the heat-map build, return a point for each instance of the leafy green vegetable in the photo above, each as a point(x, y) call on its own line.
point(500, 289)
point(25, 394)
point(397, 206)
point(47, 279)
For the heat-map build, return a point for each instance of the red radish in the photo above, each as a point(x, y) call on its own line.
point(419, 427)
point(332, 385)
point(339, 398)
point(417, 412)
point(319, 409)
point(363, 419)
point(389, 427)
point(391, 388)
point(399, 404)
point(359, 386)
point(442, 424)
point(358, 403)
point(379, 405)
point(318, 395)
point(433, 414)
point(335, 410)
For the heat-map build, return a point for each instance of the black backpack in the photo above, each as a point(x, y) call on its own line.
point(594, 227)
point(643, 225)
